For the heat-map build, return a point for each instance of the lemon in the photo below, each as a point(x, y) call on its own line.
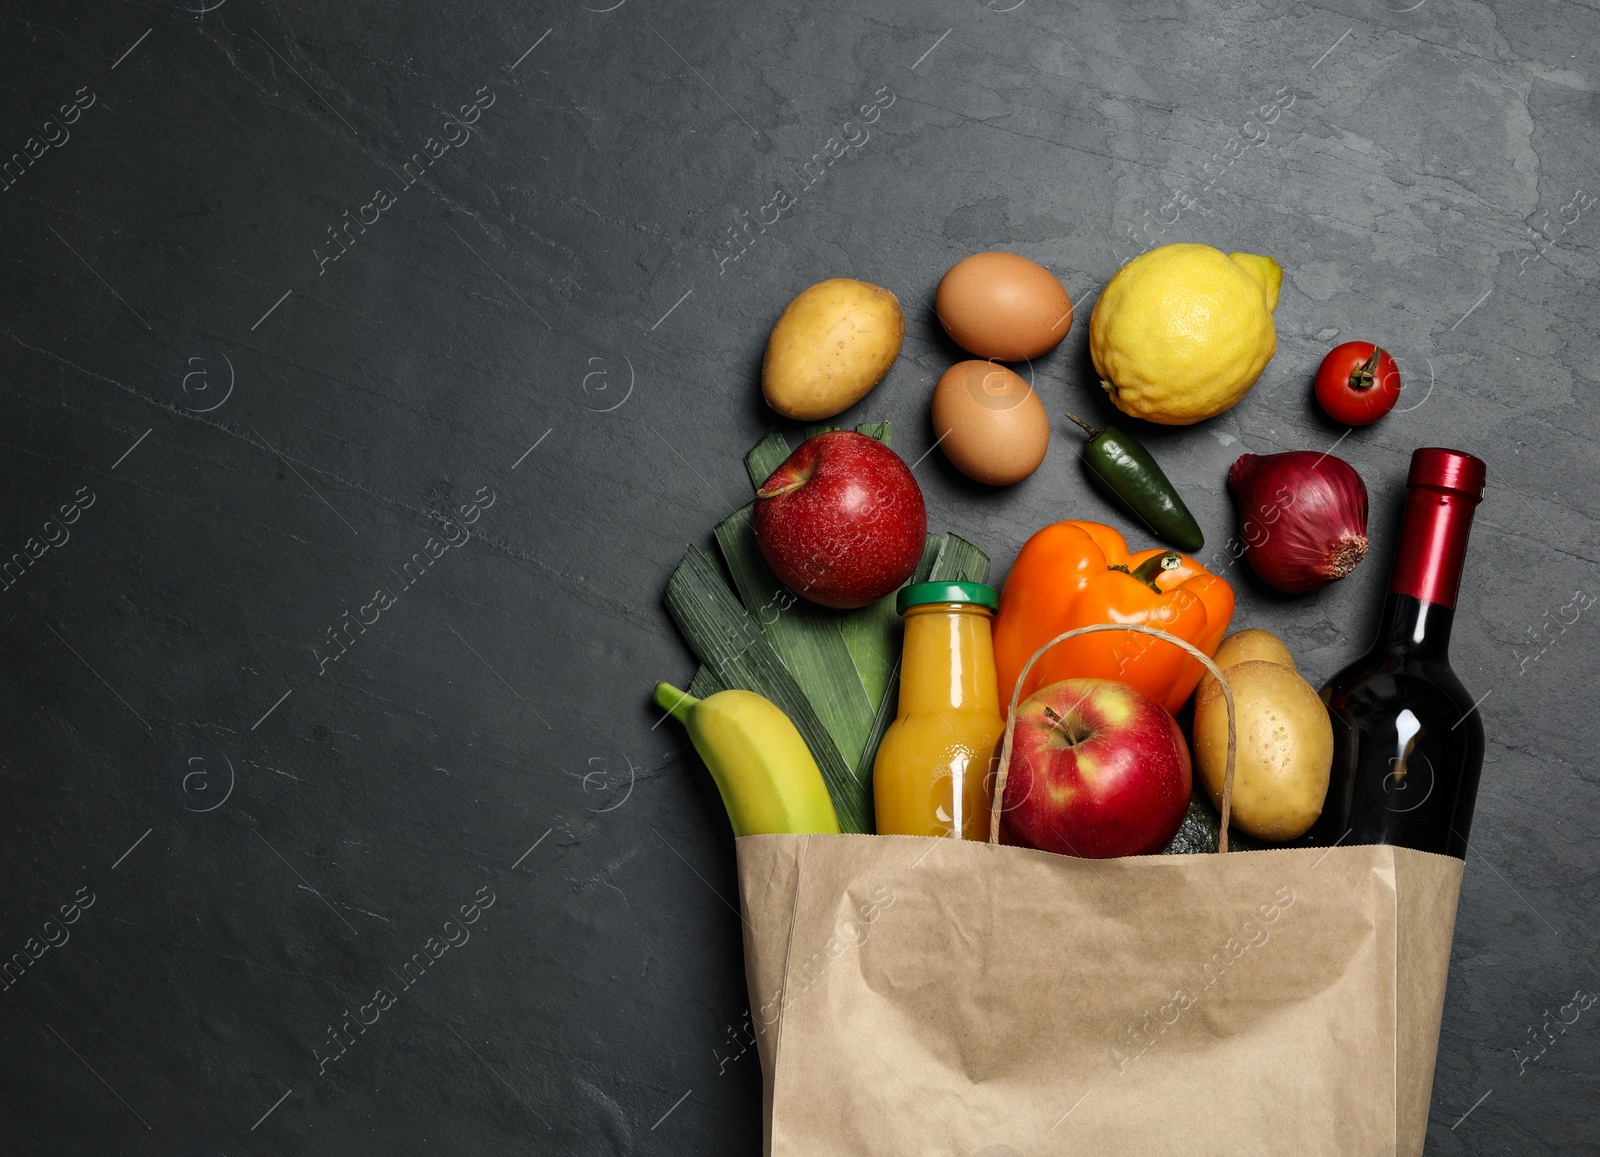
point(1182, 332)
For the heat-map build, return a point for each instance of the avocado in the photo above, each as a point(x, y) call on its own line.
point(1202, 829)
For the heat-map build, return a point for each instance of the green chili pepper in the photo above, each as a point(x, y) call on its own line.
point(1130, 475)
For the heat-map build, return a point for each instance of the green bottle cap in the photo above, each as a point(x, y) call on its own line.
point(920, 594)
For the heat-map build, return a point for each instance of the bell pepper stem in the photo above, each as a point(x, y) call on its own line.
point(1152, 568)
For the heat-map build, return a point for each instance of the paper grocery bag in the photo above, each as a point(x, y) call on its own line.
point(920, 996)
point(937, 996)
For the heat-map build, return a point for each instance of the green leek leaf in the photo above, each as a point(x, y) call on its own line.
point(872, 633)
point(805, 636)
point(704, 684)
point(765, 457)
point(724, 637)
point(878, 430)
point(959, 561)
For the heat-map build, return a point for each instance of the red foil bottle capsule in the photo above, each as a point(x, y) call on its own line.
point(1444, 488)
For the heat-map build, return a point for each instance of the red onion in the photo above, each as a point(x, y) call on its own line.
point(1303, 517)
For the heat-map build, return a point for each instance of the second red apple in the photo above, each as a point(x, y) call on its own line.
point(1097, 770)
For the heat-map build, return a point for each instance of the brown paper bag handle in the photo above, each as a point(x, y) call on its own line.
point(1155, 632)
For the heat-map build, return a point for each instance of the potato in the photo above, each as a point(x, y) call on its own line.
point(1251, 643)
point(831, 346)
point(1285, 749)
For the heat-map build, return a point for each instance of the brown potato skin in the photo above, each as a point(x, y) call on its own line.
point(1285, 749)
point(1250, 643)
point(832, 344)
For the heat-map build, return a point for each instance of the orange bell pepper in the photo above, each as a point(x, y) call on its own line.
point(1073, 574)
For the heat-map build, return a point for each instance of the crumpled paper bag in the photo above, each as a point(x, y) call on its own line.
point(938, 996)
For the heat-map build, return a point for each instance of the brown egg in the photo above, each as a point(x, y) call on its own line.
point(999, 305)
point(990, 423)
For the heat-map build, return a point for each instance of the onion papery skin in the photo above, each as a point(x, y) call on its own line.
point(1302, 516)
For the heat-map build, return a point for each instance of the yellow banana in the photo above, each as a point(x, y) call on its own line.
point(763, 768)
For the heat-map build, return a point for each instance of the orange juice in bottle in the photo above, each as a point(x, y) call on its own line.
point(930, 775)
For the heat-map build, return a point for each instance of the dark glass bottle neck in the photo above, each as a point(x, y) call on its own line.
point(1414, 629)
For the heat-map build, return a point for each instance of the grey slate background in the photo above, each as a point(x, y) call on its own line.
point(552, 313)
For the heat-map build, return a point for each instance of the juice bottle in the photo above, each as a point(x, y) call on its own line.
point(932, 768)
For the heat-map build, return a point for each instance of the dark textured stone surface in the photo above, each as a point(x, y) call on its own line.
point(550, 312)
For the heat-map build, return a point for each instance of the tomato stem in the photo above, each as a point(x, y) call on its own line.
point(1364, 375)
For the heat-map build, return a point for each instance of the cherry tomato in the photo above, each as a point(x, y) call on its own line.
point(1357, 383)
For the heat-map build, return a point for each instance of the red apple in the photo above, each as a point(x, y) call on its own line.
point(842, 520)
point(1098, 769)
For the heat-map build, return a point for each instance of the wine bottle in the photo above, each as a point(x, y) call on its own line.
point(1407, 738)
